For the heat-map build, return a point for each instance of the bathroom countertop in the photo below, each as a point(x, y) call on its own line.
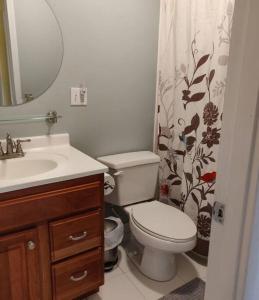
point(69, 162)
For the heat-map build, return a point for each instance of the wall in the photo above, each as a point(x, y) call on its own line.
point(111, 47)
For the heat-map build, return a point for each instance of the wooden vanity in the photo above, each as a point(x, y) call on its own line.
point(51, 240)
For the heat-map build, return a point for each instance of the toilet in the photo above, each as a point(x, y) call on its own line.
point(159, 231)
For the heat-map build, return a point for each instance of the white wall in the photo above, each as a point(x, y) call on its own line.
point(252, 284)
point(111, 47)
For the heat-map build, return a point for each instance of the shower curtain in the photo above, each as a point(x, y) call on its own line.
point(194, 42)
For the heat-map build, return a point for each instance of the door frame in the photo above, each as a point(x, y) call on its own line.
point(237, 161)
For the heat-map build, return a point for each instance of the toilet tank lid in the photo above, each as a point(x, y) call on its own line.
point(131, 159)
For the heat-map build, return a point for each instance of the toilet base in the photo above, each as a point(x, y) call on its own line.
point(158, 265)
point(155, 264)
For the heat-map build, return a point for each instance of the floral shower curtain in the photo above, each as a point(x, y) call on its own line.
point(192, 68)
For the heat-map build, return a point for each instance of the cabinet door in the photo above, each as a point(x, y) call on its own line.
point(19, 266)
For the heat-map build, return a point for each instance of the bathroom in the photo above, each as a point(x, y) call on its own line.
point(170, 85)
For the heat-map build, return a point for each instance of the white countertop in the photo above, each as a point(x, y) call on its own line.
point(69, 163)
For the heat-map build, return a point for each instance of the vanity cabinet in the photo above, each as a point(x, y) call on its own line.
point(19, 261)
point(51, 240)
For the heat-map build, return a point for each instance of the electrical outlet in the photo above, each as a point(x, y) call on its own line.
point(79, 96)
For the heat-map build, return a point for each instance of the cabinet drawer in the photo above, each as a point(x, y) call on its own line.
point(78, 276)
point(32, 209)
point(74, 235)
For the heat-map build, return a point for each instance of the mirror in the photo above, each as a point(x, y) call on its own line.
point(31, 50)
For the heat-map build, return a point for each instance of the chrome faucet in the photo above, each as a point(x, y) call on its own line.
point(9, 145)
point(13, 149)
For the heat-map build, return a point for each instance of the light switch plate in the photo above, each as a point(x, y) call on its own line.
point(79, 96)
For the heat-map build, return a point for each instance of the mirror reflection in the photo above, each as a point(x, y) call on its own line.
point(31, 50)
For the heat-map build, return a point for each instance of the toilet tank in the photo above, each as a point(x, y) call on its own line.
point(135, 174)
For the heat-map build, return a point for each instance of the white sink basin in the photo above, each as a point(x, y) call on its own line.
point(33, 164)
point(14, 168)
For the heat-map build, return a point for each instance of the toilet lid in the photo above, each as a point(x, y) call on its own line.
point(164, 221)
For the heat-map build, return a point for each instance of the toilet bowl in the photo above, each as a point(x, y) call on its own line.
point(160, 230)
point(163, 231)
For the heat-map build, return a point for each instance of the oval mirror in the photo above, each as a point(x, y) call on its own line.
point(31, 50)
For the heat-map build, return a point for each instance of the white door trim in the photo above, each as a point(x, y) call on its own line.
point(249, 232)
point(226, 275)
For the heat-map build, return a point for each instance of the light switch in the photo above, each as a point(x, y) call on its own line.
point(79, 96)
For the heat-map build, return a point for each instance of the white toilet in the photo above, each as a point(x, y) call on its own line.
point(162, 230)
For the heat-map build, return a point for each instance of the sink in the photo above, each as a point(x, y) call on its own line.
point(25, 168)
point(33, 164)
point(48, 159)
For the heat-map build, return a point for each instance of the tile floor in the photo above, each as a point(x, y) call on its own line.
point(127, 283)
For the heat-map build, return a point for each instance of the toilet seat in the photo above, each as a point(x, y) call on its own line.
point(163, 222)
point(163, 231)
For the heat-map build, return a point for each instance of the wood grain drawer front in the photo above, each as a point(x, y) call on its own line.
point(49, 205)
point(75, 235)
point(78, 276)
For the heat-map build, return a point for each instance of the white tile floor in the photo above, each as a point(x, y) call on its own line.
point(127, 283)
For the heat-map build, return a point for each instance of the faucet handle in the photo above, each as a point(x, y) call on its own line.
point(23, 141)
point(19, 149)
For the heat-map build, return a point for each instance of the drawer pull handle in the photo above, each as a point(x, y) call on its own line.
point(78, 238)
point(75, 278)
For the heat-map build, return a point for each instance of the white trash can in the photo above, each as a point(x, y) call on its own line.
point(113, 236)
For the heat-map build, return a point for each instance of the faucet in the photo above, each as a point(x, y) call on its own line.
point(13, 149)
point(9, 145)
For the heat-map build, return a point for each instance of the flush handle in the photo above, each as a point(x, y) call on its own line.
point(119, 173)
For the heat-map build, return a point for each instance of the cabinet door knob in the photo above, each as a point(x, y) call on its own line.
point(31, 245)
